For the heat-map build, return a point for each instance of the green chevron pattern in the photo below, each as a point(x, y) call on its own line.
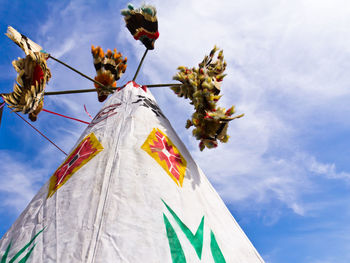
point(177, 254)
point(19, 253)
point(196, 240)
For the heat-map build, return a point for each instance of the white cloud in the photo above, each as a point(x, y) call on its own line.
point(19, 181)
point(286, 65)
point(327, 169)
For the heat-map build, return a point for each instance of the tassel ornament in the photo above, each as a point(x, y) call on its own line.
point(202, 86)
point(109, 66)
point(142, 24)
point(33, 74)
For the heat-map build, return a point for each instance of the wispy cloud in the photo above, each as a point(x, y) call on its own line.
point(283, 74)
point(19, 181)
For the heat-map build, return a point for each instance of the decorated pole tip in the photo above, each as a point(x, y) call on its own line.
point(142, 24)
point(109, 66)
point(202, 86)
point(33, 74)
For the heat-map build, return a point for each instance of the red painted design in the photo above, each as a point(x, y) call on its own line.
point(77, 157)
point(166, 153)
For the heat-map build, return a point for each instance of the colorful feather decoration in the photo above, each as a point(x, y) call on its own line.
point(142, 24)
point(109, 68)
point(33, 74)
point(202, 86)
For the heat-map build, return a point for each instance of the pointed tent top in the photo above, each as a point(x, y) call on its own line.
point(129, 193)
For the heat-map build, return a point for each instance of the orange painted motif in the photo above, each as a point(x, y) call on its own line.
point(87, 149)
point(160, 148)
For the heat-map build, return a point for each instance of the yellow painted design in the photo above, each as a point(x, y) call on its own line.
point(161, 149)
point(87, 149)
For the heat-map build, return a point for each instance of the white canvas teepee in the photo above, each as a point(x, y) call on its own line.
point(128, 192)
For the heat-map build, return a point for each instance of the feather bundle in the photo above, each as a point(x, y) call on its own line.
point(142, 24)
point(202, 86)
point(33, 74)
point(109, 68)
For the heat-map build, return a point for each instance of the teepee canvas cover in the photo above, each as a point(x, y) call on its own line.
point(128, 192)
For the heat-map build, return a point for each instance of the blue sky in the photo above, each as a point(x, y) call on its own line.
point(284, 174)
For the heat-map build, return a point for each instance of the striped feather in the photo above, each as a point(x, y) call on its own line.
point(27, 45)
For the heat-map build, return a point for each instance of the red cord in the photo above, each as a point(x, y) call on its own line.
point(87, 112)
point(40, 133)
point(65, 116)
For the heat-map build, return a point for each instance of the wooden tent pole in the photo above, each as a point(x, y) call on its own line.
point(82, 74)
point(138, 68)
point(69, 92)
point(162, 85)
point(94, 90)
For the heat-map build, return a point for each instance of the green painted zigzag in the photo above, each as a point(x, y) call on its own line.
point(196, 240)
point(19, 253)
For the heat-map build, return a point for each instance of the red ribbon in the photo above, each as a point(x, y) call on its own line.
point(66, 116)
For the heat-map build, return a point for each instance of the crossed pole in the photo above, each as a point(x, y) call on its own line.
point(111, 89)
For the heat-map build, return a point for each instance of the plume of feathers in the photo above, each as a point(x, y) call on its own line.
point(142, 24)
point(33, 74)
point(202, 86)
point(110, 66)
